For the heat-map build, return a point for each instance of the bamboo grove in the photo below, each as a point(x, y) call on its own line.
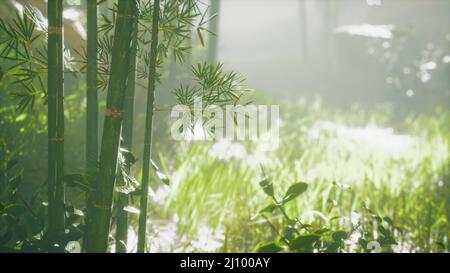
point(129, 39)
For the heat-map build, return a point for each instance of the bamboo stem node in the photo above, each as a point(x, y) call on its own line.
point(102, 207)
point(114, 113)
point(127, 16)
point(56, 139)
point(55, 31)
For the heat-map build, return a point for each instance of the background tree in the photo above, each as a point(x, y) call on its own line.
point(214, 24)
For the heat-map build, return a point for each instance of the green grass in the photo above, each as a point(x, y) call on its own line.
point(401, 173)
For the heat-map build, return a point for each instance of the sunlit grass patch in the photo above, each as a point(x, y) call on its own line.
point(401, 173)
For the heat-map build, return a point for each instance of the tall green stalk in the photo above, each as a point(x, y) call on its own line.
point(92, 106)
point(103, 194)
point(92, 90)
point(56, 209)
point(127, 135)
point(214, 28)
point(148, 129)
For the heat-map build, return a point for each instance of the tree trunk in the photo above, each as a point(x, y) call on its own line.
point(127, 135)
point(214, 27)
point(148, 130)
point(56, 209)
point(103, 194)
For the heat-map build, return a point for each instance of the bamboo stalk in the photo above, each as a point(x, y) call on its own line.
point(214, 28)
point(92, 107)
point(56, 209)
point(148, 129)
point(92, 90)
point(103, 194)
point(127, 135)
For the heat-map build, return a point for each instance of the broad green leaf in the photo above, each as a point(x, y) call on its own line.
point(304, 243)
point(270, 208)
point(339, 235)
point(273, 247)
point(294, 191)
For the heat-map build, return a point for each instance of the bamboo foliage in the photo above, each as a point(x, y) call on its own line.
point(56, 193)
point(103, 194)
point(21, 44)
point(148, 128)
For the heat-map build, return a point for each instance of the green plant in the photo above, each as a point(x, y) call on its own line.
point(171, 24)
point(408, 185)
point(292, 235)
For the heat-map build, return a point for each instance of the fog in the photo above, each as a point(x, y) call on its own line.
point(264, 40)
